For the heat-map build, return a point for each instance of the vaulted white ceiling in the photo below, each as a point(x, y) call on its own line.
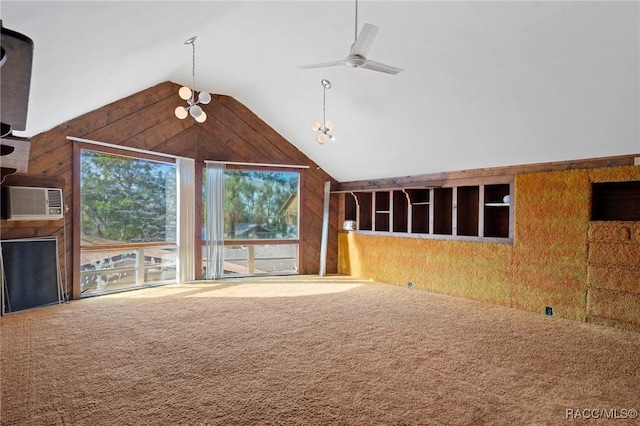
point(485, 83)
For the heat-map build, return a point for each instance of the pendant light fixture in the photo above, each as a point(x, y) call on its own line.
point(188, 94)
point(323, 130)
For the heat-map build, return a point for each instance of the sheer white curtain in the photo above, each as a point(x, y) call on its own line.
point(186, 176)
point(214, 219)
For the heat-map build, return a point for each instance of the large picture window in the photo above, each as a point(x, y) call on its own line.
point(260, 205)
point(259, 226)
point(128, 222)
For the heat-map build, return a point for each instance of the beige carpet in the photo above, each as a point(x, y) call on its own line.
point(309, 351)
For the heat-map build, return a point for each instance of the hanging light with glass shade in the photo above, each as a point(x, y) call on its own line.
point(324, 129)
point(193, 107)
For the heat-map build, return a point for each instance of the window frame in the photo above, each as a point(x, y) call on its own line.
point(253, 243)
point(78, 148)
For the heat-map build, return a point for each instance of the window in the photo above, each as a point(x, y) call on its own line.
point(128, 222)
point(260, 205)
point(260, 226)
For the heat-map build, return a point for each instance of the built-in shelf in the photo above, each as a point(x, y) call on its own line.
point(497, 220)
point(467, 210)
point(475, 211)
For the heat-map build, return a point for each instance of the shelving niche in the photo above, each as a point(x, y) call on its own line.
point(382, 203)
point(616, 201)
point(496, 210)
point(479, 211)
point(468, 198)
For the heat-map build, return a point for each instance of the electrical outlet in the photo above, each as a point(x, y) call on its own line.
point(636, 161)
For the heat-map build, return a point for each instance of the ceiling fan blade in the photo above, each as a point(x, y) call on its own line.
point(365, 39)
point(322, 65)
point(377, 66)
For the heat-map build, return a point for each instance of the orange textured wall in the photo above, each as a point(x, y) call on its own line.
point(550, 250)
point(546, 265)
point(467, 269)
point(613, 274)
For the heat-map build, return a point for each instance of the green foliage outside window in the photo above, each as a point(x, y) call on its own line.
point(126, 199)
point(260, 205)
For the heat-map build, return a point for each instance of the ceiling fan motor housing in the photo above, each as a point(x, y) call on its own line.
point(355, 61)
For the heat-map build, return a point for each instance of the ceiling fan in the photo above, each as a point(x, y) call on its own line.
point(357, 57)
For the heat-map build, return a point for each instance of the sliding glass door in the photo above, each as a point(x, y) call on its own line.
point(251, 222)
point(128, 222)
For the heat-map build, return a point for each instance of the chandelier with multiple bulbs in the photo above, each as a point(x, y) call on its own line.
point(324, 129)
point(188, 94)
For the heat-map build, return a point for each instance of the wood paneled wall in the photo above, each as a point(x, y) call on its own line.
point(146, 121)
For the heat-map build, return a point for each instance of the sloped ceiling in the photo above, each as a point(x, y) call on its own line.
point(485, 83)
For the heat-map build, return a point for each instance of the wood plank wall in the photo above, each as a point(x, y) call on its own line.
point(479, 176)
point(146, 121)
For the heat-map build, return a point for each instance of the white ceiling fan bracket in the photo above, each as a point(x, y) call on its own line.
point(355, 61)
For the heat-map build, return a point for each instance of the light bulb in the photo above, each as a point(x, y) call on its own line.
point(321, 138)
point(195, 111)
point(185, 93)
point(204, 98)
point(201, 118)
point(332, 138)
point(329, 125)
point(181, 112)
point(315, 126)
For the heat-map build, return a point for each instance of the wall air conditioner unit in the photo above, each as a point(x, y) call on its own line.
point(27, 203)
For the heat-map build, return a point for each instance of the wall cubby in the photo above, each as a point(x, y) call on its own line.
point(615, 201)
point(443, 209)
point(382, 201)
point(350, 208)
point(400, 212)
point(419, 213)
point(497, 202)
point(365, 219)
point(479, 211)
point(467, 210)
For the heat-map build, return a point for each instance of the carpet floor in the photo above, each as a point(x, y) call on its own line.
point(306, 350)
